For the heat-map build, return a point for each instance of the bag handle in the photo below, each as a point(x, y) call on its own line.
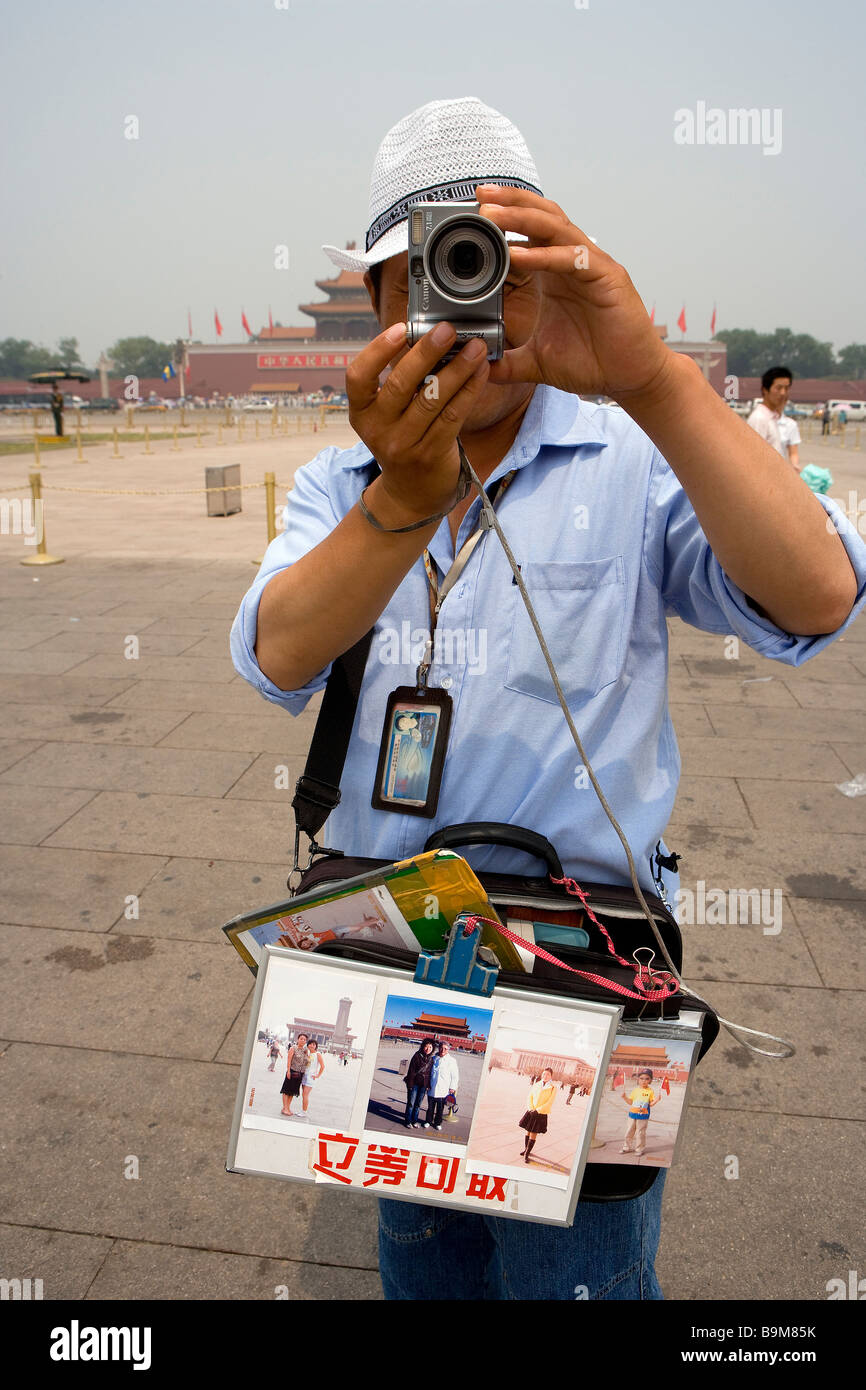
point(491, 832)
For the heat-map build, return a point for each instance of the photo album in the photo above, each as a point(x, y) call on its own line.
point(410, 904)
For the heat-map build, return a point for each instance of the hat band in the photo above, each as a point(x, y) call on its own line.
point(457, 192)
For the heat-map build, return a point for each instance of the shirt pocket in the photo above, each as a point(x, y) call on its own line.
point(580, 606)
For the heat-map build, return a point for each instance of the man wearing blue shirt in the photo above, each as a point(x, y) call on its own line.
point(669, 505)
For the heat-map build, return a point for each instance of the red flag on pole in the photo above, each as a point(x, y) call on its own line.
point(653, 314)
point(217, 325)
point(681, 321)
point(713, 323)
point(188, 324)
point(270, 319)
point(245, 325)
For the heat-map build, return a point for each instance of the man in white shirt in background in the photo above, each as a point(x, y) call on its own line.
point(790, 432)
point(769, 419)
point(444, 1077)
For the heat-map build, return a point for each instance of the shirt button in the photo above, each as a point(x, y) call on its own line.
point(446, 682)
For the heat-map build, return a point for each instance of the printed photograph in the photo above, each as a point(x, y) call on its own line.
point(531, 1116)
point(642, 1101)
point(409, 759)
point(370, 915)
point(428, 1068)
point(310, 1038)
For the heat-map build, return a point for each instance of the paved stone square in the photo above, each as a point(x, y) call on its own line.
point(139, 812)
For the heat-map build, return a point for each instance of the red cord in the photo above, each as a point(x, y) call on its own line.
point(644, 976)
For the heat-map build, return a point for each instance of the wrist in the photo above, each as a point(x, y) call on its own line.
point(673, 375)
point(391, 511)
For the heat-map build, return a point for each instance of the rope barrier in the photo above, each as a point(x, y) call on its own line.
point(36, 488)
point(147, 492)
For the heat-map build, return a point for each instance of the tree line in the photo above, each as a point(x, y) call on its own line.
point(143, 357)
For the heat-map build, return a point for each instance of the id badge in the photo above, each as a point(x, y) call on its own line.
point(414, 739)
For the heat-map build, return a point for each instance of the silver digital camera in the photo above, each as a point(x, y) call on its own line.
point(458, 261)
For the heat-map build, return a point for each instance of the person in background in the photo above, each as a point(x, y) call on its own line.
point(57, 411)
point(444, 1077)
point(315, 1067)
point(297, 1060)
point(640, 1100)
point(791, 441)
point(417, 1081)
point(825, 419)
point(538, 1106)
point(764, 419)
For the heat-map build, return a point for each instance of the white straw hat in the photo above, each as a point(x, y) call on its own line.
point(437, 153)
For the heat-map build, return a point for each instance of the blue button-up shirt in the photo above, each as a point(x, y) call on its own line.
point(609, 545)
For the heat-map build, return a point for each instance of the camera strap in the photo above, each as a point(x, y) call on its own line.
point(317, 791)
point(438, 593)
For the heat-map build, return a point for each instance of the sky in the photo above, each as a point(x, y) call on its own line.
point(401, 1012)
point(310, 993)
point(258, 122)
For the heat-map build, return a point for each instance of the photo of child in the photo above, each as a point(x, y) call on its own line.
point(643, 1100)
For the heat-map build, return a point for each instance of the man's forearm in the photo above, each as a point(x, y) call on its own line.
point(764, 526)
point(321, 606)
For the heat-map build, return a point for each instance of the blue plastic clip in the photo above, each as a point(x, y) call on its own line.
point(458, 966)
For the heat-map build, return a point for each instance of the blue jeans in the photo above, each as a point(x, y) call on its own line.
point(414, 1097)
point(429, 1252)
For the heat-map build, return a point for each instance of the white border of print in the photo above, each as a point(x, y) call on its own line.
point(525, 1020)
point(275, 982)
point(430, 994)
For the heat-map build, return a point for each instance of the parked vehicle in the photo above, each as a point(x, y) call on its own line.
point(854, 410)
point(263, 404)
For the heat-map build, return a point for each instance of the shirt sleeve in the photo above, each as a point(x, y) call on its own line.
point(696, 588)
point(794, 437)
point(308, 518)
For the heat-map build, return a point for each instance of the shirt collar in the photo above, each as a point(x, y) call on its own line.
point(555, 418)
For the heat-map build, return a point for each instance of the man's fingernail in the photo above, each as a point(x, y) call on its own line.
point(475, 348)
point(493, 187)
point(396, 333)
point(441, 333)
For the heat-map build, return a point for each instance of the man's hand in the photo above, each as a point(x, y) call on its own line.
point(411, 423)
point(593, 334)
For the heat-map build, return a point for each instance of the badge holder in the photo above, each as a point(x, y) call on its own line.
point(414, 740)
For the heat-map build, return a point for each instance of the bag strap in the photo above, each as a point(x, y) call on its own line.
point(317, 791)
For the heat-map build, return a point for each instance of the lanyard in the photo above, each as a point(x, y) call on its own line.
point(438, 593)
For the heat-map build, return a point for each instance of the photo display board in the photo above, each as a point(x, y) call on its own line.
point(358, 1077)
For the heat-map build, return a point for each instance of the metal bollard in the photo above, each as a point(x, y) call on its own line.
point(270, 510)
point(41, 557)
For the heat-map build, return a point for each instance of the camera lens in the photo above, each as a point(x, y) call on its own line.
point(467, 258)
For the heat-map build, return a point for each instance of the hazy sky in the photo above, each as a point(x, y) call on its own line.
point(258, 126)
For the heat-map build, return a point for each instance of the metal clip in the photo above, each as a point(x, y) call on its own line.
point(644, 971)
point(423, 670)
